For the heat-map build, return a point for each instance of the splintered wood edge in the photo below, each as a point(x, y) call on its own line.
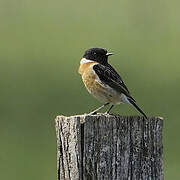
point(83, 117)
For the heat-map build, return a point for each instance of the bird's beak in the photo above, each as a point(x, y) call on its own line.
point(109, 54)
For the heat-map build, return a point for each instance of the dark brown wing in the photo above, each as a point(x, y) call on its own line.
point(109, 76)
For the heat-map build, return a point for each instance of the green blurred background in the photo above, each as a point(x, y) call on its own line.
point(41, 46)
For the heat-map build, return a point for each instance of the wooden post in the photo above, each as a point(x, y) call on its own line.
point(109, 147)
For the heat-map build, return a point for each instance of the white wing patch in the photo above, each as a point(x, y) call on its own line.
point(111, 90)
point(98, 80)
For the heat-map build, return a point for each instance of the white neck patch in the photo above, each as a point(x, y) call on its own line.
point(84, 61)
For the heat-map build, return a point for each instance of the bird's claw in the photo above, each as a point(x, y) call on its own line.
point(92, 113)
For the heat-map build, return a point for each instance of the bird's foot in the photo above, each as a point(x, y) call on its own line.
point(108, 113)
point(92, 113)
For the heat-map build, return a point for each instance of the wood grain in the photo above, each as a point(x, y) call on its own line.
point(109, 147)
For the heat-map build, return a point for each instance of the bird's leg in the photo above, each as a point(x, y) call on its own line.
point(96, 110)
point(107, 112)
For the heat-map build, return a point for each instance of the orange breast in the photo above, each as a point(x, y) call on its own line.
point(99, 91)
point(85, 68)
point(88, 75)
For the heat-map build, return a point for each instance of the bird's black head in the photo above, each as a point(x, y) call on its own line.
point(99, 55)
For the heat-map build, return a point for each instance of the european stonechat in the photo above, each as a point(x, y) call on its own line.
point(102, 81)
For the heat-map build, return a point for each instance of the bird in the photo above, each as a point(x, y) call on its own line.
point(103, 82)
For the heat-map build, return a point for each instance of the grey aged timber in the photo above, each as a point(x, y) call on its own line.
point(109, 147)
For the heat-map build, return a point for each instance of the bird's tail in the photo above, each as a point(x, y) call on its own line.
point(135, 105)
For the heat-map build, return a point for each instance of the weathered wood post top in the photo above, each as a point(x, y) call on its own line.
point(109, 147)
